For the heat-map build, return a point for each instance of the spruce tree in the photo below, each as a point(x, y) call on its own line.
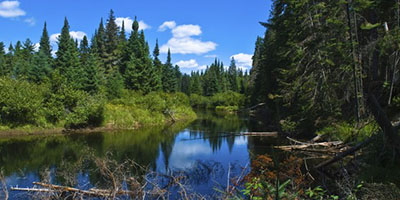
point(8, 62)
point(121, 49)
point(233, 76)
point(67, 53)
point(101, 44)
point(2, 59)
point(157, 67)
point(111, 42)
point(45, 42)
point(41, 68)
point(169, 77)
point(140, 73)
point(84, 50)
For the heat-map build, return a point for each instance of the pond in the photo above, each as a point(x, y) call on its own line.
point(204, 149)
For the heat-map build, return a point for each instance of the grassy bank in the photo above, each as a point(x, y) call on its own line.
point(223, 103)
point(135, 110)
point(31, 108)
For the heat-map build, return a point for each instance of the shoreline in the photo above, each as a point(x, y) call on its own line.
point(37, 131)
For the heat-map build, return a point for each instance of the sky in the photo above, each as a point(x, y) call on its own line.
point(196, 31)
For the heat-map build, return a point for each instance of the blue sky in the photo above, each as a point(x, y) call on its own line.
point(195, 31)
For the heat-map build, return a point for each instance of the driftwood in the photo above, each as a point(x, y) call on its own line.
point(57, 188)
point(345, 153)
point(263, 134)
point(252, 107)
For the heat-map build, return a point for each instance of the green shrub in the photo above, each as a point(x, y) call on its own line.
point(87, 112)
point(226, 109)
point(227, 99)
point(20, 102)
point(198, 101)
point(348, 132)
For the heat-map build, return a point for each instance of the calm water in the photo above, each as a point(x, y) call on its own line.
point(201, 149)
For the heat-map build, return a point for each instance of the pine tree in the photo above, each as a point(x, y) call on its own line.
point(111, 42)
point(122, 49)
point(23, 59)
point(101, 44)
point(67, 53)
point(169, 77)
point(233, 76)
point(158, 68)
point(45, 42)
point(114, 84)
point(8, 62)
point(92, 79)
point(84, 50)
point(140, 73)
point(2, 59)
point(41, 68)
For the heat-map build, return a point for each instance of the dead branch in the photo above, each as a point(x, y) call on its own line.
point(345, 153)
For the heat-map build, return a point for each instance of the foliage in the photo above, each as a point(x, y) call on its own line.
point(134, 109)
point(267, 179)
point(21, 102)
point(349, 132)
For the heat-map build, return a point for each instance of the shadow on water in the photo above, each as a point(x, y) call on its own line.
point(202, 149)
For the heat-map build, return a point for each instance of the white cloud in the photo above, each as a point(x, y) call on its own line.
point(184, 31)
point(187, 45)
point(143, 26)
point(31, 21)
point(36, 47)
point(76, 35)
point(11, 9)
point(190, 64)
point(54, 37)
point(243, 61)
point(128, 23)
point(183, 42)
point(167, 25)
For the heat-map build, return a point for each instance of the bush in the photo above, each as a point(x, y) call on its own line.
point(198, 101)
point(347, 132)
point(135, 109)
point(228, 99)
point(20, 102)
point(87, 112)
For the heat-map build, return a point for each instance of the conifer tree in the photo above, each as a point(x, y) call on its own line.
point(41, 69)
point(121, 49)
point(67, 53)
point(111, 42)
point(169, 76)
point(101, 44)
point(158, 68)
point(233, 76)
point(84, 50)
point(8, 62)
point(2, 59)
point(45, 42)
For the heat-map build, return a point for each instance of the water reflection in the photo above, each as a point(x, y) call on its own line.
point(204, 149)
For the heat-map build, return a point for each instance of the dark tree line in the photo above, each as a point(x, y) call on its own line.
point(320, 62)
point(110, 62)
point(215, 79)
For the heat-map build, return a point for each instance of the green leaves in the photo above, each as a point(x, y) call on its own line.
point(369, 26)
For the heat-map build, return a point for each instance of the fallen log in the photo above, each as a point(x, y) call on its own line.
point(31, 189)
point(264, 134)
point(345, 153)
point(309, 145)
point(90, 192)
